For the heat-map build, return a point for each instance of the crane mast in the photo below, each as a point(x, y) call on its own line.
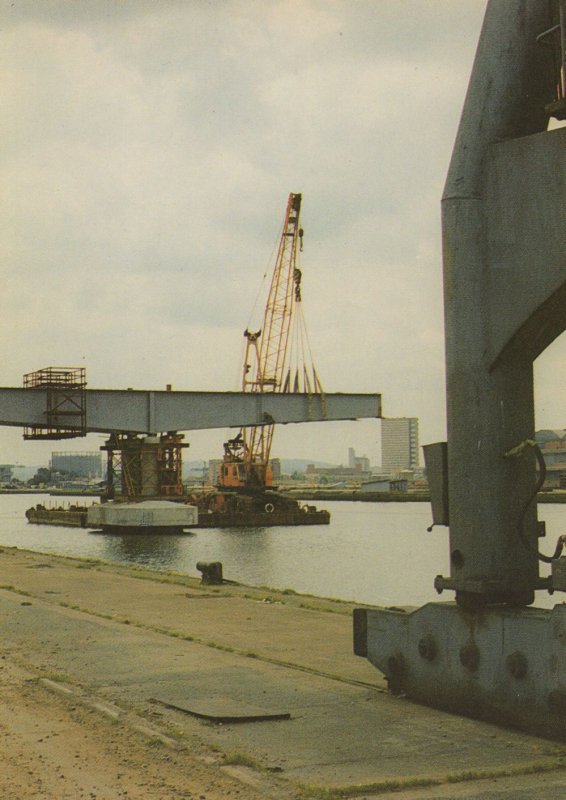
point(267, 366)
point(270, 358)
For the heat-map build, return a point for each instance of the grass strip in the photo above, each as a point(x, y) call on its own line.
point(400, 784)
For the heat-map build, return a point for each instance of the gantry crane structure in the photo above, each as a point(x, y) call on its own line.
point(488, 653)
point(275, 361)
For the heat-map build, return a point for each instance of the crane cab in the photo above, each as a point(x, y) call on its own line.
point(236, 474)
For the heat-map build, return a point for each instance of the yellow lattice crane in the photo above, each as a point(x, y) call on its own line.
point(277, 359)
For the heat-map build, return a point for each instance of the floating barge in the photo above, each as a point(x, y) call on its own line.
point(157, 516)
point(307, 515)
point(261, 509)
point(166, 516)
point(72, 517)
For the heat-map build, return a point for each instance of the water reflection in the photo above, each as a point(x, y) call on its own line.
point(250, 548)
point(157, 550)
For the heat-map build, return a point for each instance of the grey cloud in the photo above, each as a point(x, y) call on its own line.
point(149, 150)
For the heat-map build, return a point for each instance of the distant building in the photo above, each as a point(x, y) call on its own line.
point(384, 485)
point(376, 485)
point(357, 462)
point(84, 465)
point(347, 476)
point(275, 464)
point(214, 471)
point(399, 443)
point(552, 444)
point(6, 473)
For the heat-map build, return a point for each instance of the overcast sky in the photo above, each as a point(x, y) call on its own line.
point(148, 149)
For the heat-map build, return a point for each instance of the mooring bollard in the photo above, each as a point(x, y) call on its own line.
point(211, 572)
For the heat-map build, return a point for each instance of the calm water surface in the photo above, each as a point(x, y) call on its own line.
point(377, 553)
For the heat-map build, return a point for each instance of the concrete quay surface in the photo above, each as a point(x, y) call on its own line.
point(260, 685)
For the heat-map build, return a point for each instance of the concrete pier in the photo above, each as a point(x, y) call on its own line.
point(262, 684)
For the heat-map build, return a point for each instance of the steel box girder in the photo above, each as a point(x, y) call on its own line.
point(141, 411)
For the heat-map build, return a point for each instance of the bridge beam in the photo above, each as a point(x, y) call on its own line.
point(141, 411)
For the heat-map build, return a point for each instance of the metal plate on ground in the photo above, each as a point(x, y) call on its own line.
point(220, 708)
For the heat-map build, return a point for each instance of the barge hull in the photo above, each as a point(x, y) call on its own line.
point(261, 519)
point(118, 520)
point(64, 518)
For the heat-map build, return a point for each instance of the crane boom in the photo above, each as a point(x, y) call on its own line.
point(267, 366)
point(284, 290)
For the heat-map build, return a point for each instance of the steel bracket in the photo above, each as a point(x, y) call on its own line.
point(502, 664)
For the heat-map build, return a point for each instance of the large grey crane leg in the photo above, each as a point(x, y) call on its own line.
point(504, 230)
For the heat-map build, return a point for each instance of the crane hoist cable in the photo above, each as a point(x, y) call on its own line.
point(275, 357)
